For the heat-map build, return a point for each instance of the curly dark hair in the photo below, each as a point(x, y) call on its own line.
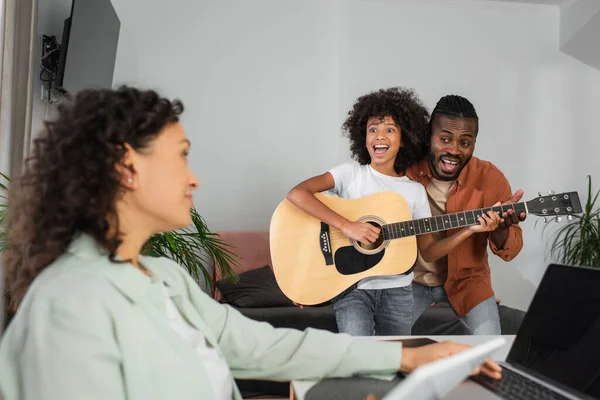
point(70, 183)
point(407, 110)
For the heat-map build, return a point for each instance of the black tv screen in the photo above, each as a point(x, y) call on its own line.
point(89, 46)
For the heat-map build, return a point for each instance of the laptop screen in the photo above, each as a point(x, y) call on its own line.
point(559, 337)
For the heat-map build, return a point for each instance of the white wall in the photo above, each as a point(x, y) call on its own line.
point(259, 80)
point(575, 16)
point(579, 31)
point(267, 85)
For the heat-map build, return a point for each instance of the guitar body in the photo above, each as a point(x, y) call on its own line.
point(303, 270)
point(314, 262)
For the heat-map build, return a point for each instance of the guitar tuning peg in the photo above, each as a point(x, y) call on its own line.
point(551, 192)
point(546, 219)
point(569, 217)
point(558, 219)
point(539, 194)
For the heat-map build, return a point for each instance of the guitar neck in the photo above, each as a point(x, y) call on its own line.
point(444, 222)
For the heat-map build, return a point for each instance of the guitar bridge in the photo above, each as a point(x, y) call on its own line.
point(325, 244)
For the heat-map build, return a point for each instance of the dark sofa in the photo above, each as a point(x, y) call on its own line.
point(437, 320)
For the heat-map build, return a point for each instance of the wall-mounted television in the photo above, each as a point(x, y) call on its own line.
point(89, 46)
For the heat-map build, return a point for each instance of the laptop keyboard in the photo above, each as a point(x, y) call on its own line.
point(514, 386)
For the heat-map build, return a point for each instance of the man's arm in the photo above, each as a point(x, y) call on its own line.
point(432, 249)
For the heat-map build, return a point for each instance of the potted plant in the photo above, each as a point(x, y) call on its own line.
point(578, 242)
point(192, 247)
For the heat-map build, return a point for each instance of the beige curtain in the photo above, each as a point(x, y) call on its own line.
point(18, 30)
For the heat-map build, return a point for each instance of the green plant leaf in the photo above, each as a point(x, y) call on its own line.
point(194, 248)
point(578, 242)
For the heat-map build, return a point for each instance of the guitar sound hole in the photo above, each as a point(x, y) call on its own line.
point(376, 244)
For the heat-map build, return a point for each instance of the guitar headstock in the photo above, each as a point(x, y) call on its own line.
point(555, 204)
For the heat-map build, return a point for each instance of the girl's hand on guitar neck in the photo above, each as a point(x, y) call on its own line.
point(361, 231)
point(487, 222)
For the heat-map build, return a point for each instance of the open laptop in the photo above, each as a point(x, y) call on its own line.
point(556, 353)
point(428, 382)
point(434, 380)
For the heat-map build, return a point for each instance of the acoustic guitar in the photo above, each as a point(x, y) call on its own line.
point(314, 262)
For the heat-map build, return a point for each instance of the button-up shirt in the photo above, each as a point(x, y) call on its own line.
point(480, 184)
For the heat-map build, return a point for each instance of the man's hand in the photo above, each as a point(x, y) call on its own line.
point(413, 358)
point(510, 217)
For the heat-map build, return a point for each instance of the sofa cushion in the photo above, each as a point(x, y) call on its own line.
point(294, 317)
point(251, 249)
point(255, 288)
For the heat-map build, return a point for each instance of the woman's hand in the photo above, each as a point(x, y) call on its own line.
point(413, 358)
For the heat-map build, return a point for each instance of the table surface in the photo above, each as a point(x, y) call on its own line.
point(300, 388)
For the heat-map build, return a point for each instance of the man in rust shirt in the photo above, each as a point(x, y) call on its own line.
point(456, 181)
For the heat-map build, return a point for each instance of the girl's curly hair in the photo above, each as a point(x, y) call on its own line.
point(407, 110)
point(70, 183)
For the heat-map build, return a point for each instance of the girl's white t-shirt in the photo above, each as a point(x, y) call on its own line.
point(353, 181)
